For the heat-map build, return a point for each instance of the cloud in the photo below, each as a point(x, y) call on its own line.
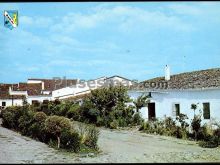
point(201, 11)
point(125, 18)
point(36, 22)
point(185, 9)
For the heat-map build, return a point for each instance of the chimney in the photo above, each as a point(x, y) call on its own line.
point(167, 73)
point(42, 83)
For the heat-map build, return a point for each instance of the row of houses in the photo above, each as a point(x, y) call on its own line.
point(33, 90)
point(170, 95)
point(39, 90)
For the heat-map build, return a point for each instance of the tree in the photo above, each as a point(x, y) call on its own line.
point(194, 107)
point(141, 101)
point(55, 125)
point(102, 103)
point(196, 125)
point(104, 99)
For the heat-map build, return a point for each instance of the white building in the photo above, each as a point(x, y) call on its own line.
point(83, 88)
point(35, 90)
point(172, 95)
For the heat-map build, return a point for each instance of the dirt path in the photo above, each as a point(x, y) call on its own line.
point(133, 146)
point(116, 146)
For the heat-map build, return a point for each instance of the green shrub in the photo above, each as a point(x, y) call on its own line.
point(211, 143)
point(70, 140)
point(217, 132)
point(142, 127)
point(25, 121)
point(8, 119)
point(37, 129)
point(114, 124)
point(40, 117)
point(53, 143)
point(44, 108)
point(11, 115)
point(91, 138)
point(100, 121)
point(182, 120)
point(196, 124)
point(122, 122)
point(202, 133)
point(73, 112)
point(137, 119)
point(38, 132)
point(55, 124)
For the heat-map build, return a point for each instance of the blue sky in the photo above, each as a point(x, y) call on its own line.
point(89, 40)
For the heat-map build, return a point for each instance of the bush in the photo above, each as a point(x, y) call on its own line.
point(55, 124)
point(137, 119)
point(122, 122)
point(182, 120)
point(70, 140)
point(44, 107)
point(40, 117)
point(114, 124)
point(73, 112)
point(100, 121)
point(11, 115)
point(217, 132)
point(8, 119)
point(88, 134)
point(211, 143)
point(25, 122)
point(91, 138)
point(196, 124)
point(37, 129)
point(38, 132)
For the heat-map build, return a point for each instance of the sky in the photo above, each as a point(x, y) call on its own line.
point(87, 40)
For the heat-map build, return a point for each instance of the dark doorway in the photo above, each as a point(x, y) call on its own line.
point(151, 111)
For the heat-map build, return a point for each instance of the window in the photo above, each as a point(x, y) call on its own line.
point(35, 102)
point(177, 109)
point(206, 110)
point(45, 101)
point(3, 103)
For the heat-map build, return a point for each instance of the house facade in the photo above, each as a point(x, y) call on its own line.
point(34, 90)
point(172, 95)
point(83, 88)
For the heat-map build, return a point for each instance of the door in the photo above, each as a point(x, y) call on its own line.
point(151, 111)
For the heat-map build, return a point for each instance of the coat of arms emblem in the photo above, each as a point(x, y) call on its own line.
point(11, 19)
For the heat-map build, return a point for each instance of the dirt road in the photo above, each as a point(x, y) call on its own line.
point(117, 146)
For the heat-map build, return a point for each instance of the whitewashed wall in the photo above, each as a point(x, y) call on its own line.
point(9, 102)
point(38, 98)
point(164, 102)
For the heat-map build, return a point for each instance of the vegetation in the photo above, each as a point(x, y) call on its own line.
point(54, 125)
point(106, 107)
point(141, 101)
point(50, 122)
point(54, 130)
point(179, 128)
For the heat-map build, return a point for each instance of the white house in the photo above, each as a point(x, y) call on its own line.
point(35, 90)
point(172, 95)
point(82, 88)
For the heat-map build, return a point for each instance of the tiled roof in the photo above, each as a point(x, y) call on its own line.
point(73, 98)
point(202, 79)
point(32, 89)
point(4, 91)
point(53, 84)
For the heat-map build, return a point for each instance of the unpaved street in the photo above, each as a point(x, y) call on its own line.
point(116, 146)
